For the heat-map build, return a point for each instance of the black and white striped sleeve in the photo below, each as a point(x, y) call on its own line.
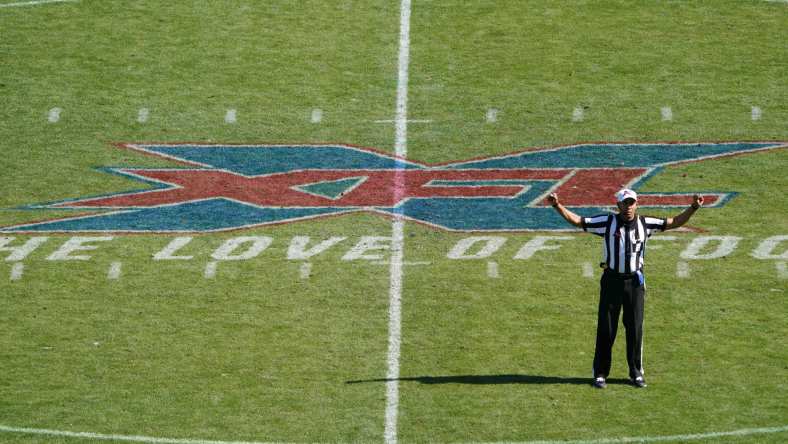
point(653, 224)
point(596, 224)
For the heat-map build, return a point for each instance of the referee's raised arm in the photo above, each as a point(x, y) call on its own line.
point(681, 219)
point(570, 217)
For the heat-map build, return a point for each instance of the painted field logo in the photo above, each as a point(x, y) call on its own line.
point(225, 187)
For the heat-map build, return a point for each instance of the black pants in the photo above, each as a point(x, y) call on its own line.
point(616, 292)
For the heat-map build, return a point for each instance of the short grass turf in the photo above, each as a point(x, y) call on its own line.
point(257, 353)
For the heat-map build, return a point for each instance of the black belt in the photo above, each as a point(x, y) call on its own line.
point(612, 273)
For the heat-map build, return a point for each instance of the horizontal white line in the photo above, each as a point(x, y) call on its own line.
point(679, 438)
point(132, 438)
point(34, 3)
point(154, 440)
point(409, 121)
point(403, 263)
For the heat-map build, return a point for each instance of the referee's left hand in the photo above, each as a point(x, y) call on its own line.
point(697, 200)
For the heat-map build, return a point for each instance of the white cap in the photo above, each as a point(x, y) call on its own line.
point(625, 194)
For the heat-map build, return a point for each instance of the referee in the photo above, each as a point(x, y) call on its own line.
point(623, 283)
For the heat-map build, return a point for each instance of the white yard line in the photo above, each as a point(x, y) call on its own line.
point(674, 438)
point(407, 121)
point(395, 331)
point(404, 263)
point(154, 440)
point(397, 232)
point(35, 3)
point(108, 437)
point(401, 135)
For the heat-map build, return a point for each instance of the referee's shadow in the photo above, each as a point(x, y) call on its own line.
point(494, 379)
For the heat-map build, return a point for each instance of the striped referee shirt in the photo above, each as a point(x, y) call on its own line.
point(625, 243)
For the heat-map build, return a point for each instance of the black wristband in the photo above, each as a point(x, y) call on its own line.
point(694, 207)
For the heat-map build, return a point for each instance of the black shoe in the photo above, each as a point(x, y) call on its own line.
point(639, 382)
point(599, 382)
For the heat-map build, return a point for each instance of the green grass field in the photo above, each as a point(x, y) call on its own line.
point(494, 348)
